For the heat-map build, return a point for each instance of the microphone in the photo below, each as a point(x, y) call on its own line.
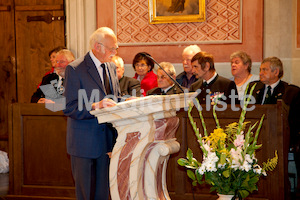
point(173, 80)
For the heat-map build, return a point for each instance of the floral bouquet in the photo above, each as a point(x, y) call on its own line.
point(229, 164)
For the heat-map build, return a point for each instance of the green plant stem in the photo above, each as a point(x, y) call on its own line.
point(196, 130)
point(243, 113)
point(215, 115)
point(202, 119)
point(258, 130)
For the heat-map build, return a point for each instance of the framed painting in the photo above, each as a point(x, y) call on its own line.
point(176, 11)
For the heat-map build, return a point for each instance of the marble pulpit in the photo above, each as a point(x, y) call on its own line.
point(146, 138)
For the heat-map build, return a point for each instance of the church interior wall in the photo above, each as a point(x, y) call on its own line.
point(264, 32)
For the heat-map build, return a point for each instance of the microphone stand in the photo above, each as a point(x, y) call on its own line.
point(174, 81)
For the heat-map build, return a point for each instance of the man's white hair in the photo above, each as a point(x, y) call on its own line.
point(194, 48)
point(168, 67)
point(99, 35)
point(118, 59)
point(67, 53)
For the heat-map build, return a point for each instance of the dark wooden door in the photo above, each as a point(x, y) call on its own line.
point(7, 67)
point(24, 48)
point(36, 35)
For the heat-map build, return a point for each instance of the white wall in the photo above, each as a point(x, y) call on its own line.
point(80, 24)
point(280, 17)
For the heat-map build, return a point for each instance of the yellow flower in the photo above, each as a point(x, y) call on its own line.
point(218, 137)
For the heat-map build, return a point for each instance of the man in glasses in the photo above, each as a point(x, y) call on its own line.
point(91, 83)
point(165, 84)
point(63, 58)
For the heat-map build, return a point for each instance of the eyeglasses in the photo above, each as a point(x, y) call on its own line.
point(60, 61)
point(109, 49)
point(161, 77)
point(187, 60)
point(141, 65)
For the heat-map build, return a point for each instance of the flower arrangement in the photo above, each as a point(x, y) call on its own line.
point(229, 164)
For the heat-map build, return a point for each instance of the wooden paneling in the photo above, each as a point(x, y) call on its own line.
point(24, 51)
point(37, 2)
point(36, 39)
point(39, 8)
point(274, 136)
point(5, 8)
point(7, 68)
point(40, 167)
point(39, 164)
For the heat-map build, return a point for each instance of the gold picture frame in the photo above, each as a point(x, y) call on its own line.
point(176, 11)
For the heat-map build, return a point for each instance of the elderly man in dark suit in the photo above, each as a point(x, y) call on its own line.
point(187, 78)
point(211, 84)
point(63, 58)
point(165, 85)
point(271, 88)
point(128, 86)
point(91, 83)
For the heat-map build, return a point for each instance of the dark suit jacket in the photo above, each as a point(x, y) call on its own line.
point(290, 95)
point(219, 85)
point(157, 91)
point(85, 137)
point(127, 85)
point(258, 92)
point(183, 80)
point(46, 80)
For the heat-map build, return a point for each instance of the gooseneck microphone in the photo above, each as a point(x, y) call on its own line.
point(174, 81)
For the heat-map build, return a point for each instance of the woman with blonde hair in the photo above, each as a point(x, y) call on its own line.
point(241, 64)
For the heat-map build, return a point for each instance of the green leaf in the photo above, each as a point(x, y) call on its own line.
point(194, 183)
point(254, 180)
point(245, 182)
point(182, 162)
point(191, 175)
point(252, 188)
point(189, 155)
point(226, 173)
point(195, 163)
point(243, 193)
point(199, 177)
point(223, 159)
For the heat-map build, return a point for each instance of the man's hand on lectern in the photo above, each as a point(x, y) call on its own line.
point(104, 103)
point(131, 98)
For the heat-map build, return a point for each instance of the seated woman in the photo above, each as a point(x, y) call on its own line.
point(143, 67)
point(241, 70)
